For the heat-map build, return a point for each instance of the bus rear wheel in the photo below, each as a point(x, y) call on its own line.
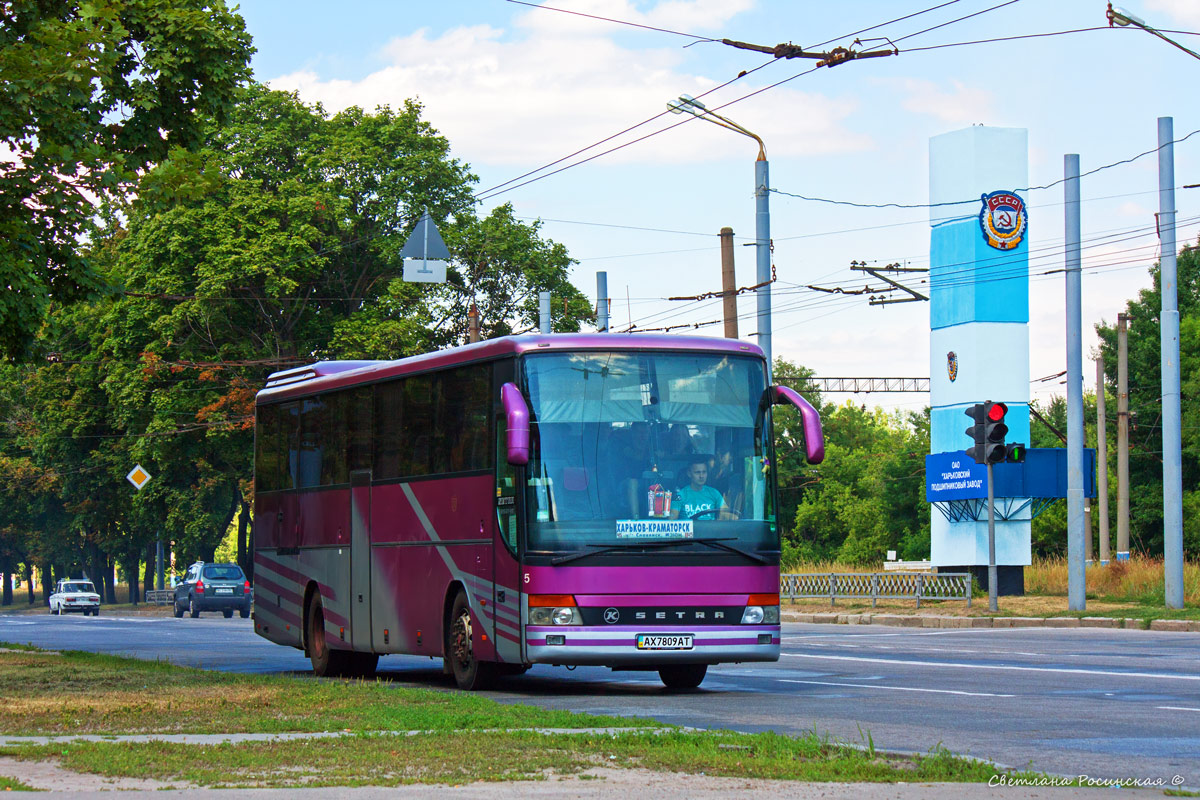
point(326, 662)
point(683, 676)
point(469, 672)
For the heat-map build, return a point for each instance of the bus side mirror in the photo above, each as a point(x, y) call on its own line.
point(516, 418)
point(814, 439)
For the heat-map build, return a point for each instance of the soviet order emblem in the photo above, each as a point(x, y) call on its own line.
point(952, 365)
point(1003, 219)
point(611, 615)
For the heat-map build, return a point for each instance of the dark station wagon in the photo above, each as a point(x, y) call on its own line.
point(213, 587)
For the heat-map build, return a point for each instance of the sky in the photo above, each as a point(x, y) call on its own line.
point(516, 88)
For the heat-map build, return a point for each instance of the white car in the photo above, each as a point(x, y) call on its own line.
point(75, 595)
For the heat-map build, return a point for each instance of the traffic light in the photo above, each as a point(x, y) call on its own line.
point(978, 414)
point(988, 433)
point(1015, 453)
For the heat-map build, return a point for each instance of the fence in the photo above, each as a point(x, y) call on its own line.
point(160, 597)
point(876, 585)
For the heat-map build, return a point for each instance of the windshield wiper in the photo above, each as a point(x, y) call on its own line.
point(718, 543)
point(607, 548)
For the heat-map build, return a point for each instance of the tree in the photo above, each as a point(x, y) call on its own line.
point(277, 243)
point(1145, 389)
point(93, 92)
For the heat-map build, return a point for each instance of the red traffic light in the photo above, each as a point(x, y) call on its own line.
point(996, 411)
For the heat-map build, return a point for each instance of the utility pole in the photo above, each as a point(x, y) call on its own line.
point(473, 324)
point(1122, 437)
point(1076, 570)
point(1102, 463)
point(602, 302)
point(729, 284)
point(1169, 344)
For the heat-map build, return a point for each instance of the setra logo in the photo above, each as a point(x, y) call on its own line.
point(611, 615)
point(1003, 219)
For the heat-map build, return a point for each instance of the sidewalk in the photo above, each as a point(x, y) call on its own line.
point(945, 621)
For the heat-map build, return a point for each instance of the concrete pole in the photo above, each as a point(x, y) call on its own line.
point(1122, 437)
point(602, 302)
point(1171, 423)
point(762, 233)
point(729, 284)
point(1102, 464)
point(1076, 569)
point(544, 312)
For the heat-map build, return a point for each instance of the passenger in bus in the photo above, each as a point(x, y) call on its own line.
point(697, 496)
point(629, 462)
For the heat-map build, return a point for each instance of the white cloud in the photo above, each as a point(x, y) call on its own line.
point(958, 105)
point(530, 97)
point(1184, 12)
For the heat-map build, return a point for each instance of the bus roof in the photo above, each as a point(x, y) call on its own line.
point(325, 375)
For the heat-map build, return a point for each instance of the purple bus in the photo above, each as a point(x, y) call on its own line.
point(570, 499)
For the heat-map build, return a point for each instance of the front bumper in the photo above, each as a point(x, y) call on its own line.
point(616, 645)
point(68, 608)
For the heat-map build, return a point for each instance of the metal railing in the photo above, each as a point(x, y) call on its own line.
point(160, 597)
point(877, 585)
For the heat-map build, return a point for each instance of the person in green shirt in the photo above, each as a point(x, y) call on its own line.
point(690, 500)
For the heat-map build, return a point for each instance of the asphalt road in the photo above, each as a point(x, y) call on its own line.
point(1103, 703)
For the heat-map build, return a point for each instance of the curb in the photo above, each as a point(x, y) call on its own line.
point(945, 622)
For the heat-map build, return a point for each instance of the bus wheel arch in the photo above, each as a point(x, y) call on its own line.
point(457, 648)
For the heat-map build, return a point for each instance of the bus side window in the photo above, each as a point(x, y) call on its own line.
point(312, 421)
point(389, 403)
point(417, 428)
point(466, 411)
point(333, 451)
point(359, 404)
point(290, 439)
point(269, 450)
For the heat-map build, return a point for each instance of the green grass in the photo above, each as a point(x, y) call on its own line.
point(455, 758)
point(14, 785)
point(462, 738)
point(67, 693)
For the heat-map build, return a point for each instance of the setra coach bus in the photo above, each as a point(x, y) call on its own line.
point(558, 499)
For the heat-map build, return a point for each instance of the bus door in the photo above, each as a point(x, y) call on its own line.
point(360, 559)
point(360, 405)
point(506, 568)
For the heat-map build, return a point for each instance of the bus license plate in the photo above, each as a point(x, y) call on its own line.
point(678, 641)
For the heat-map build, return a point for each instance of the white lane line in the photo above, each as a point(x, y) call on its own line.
point(1177, 708)
point(1013, 668)
point(900, 688)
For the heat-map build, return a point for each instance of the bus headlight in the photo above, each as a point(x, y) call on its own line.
point(554, 616)
point(565, 616)
point(753, 615)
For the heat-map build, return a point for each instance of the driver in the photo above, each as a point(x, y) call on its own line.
point(696, 496)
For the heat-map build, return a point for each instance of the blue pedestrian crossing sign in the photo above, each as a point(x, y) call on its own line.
point(425, 254)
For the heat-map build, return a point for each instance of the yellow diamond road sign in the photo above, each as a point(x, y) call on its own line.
point(138, 476)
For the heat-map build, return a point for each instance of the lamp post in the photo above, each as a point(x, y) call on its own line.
point(1169, 342)
point(1119, 16)
point(762, 217)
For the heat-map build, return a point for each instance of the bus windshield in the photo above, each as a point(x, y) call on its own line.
point(632, 448)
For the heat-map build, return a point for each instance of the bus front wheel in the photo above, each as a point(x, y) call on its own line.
point(683, 676)
point(469, 672)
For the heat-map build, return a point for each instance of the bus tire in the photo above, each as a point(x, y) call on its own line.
point(326, 662)
point(683, 676)
point(469, 672)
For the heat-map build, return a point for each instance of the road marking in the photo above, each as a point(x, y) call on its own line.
point(901, 688)
point(1177, 708)
point(1009, 667)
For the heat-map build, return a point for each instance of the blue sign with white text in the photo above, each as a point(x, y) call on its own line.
point(956, 476)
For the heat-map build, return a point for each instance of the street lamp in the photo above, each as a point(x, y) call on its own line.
point(1121, 17)
point(762, 218)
